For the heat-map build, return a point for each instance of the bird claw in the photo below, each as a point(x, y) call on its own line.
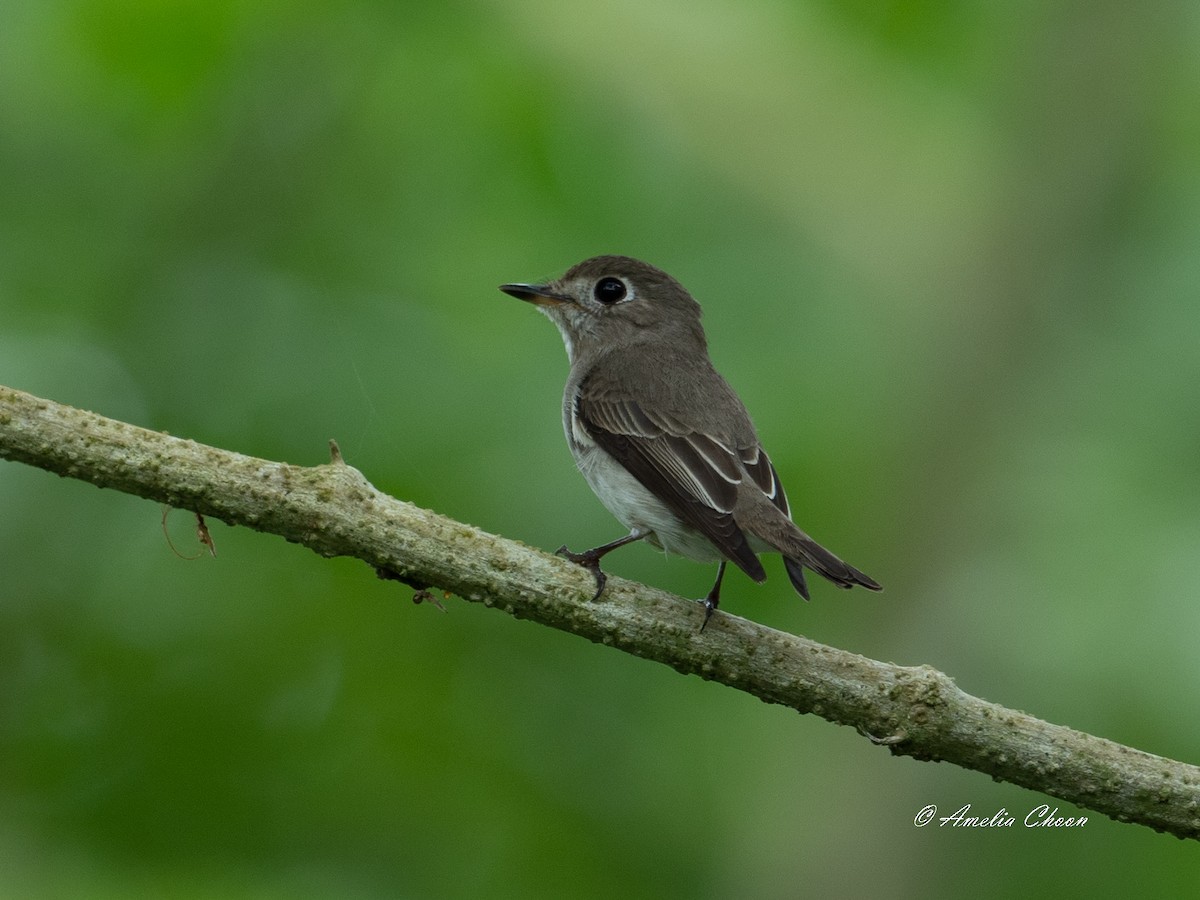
point(590, 560)
point(714, 597)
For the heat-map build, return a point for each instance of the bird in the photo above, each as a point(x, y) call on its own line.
point(662, 439)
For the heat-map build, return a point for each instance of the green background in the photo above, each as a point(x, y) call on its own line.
point(948, 254)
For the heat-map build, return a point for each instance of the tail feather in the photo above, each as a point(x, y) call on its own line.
point(824, 563)
point(771, 527)
point(803, 552)
point(795, 570)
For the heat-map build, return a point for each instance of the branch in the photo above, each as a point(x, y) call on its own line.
point(333, 510)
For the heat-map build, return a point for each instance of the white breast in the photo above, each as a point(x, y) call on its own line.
point(633, 505)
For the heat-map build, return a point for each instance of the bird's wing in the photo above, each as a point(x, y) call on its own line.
point(763, 473)
point(694, 474)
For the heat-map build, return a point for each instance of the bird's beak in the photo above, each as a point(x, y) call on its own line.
point(535, 293)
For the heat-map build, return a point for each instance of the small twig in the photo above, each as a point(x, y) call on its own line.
point(202, 535)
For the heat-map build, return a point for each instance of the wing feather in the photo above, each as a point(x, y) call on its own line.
point(694, 475)
point(762, 471)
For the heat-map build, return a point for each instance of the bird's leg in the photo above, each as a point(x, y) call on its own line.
point(590, 559)
point(714, 596)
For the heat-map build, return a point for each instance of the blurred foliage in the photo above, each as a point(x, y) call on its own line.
point(947, 253)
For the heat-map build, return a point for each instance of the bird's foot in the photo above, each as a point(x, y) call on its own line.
point(714, 597)
point(590, 560)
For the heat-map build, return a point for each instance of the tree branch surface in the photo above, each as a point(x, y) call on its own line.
point(333, 510)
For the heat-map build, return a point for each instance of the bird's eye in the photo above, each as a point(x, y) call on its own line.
point(610, 290)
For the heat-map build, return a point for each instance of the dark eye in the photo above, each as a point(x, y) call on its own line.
point(610, 290)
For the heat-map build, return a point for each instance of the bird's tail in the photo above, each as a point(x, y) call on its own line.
point(801, 552)
point(824, 563)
